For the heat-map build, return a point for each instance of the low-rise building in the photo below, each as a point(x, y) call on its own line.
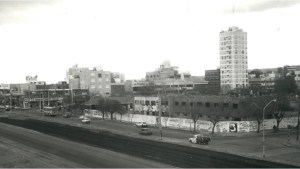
point(182, 106)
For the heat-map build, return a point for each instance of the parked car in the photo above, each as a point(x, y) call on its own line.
point(200, 139)
point(86, 120)
point(25, 108)
point(66, 114)
point(81, 117)
point(145, 131)
point(2, 107)
point(7, 107)
point(17, 108)
point(141, 124)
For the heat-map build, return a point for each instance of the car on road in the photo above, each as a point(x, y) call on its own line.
point(200, 139)
point(141, 124)
point(7, 107)
point(145, 131)
point(81, 117)
point(86, 120)
point(25, 108)
point(66, 114)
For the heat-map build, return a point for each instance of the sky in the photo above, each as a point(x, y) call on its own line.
point(46, 37)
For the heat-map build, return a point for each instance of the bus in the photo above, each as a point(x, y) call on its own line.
point(50, 111)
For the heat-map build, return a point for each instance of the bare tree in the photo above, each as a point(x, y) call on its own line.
point(195, 116)
point(280, 108)
point(214, 119)
point(253, 106)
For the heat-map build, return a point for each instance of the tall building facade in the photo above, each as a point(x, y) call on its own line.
point(233, 59)
point(97, 81)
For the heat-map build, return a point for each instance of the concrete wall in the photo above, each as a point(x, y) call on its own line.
point(223, 126)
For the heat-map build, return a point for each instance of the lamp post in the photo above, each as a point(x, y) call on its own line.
point(263, 142)
point(9, 100)
point(297, 96)
point(159, 113)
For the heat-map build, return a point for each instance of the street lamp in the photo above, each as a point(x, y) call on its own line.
point(159, 113)
point(298, 116)
point(274, 100)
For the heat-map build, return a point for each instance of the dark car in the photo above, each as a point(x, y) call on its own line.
point(66, 115)
point(145, 131)
point(200, 139)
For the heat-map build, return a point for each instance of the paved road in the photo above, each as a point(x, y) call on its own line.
point(173, 154)
point(83, 155)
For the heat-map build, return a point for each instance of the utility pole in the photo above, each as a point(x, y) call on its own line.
point(48, 99)
point(159, 114)
point(9, 100)
point(298, 99)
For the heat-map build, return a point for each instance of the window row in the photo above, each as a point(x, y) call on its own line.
point(207, 104)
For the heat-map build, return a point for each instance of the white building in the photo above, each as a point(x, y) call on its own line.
point(233, 59)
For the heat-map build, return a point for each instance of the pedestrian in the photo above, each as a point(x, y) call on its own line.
point(274, 128)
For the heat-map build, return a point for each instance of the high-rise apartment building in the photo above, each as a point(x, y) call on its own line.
point(233, 59)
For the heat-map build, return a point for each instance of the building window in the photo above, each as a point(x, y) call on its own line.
point(216, 104)
point(107, 79)
point(176, 103)
point(147, 102)
point(191, 103)
point(107, 86)
point(207, 104)
point(199, 104)
point(136, 102)
point(93, 86)
point(183, 103)
point(235, 106)
point(99, 75)
point(100, 87)
point(226, 105)
point(152, 103)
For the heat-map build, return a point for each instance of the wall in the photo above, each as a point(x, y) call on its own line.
point(223, 126)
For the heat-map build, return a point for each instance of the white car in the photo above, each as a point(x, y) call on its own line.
point(86, 120)
point(81, 117)
point(141, 124)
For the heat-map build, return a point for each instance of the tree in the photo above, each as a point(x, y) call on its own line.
point(195, 117)
point(108, 105)
point(253, 106)
point(285, 85)
point(214, 119)
point(215, 115)
point(282, 106)
point(283, 88)
point(257, 73)
point(115, 106)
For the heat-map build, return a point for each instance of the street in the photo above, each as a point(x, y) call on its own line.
point(71, 153)
point(161, 151)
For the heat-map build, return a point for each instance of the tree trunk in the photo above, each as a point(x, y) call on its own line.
point(258, 127)
point(121, 117)
point(103, 115)
point(213, 129)
point(111, 115)
point(195, 122)
point(277, 125)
